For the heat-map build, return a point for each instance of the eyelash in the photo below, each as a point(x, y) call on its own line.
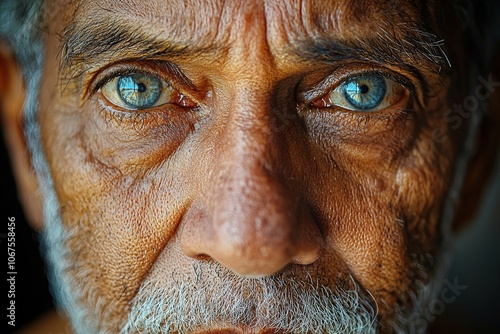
point(117, 73)
point(364, 120)
point(368, 118)
point(325, 85)
point(139, 117)
point(389, 117)
point(136, 119)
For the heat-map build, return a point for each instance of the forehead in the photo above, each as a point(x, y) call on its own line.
point(204, 22)
point(403, 33)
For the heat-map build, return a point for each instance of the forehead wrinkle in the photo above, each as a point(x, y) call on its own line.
point(289, 24)
point(340, 19)
point(306, 18)
point(175, 20)
point(98, 36)
point(199, 21)
point(393, 32)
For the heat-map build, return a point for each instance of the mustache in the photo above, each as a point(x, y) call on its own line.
point(214, 297)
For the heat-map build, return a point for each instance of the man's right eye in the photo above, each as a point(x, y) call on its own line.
point(137, 91)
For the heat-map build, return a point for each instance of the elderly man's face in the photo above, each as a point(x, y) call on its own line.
point(244, 166)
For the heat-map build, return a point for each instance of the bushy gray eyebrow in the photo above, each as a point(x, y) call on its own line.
point(85, 43)
point(92, 41)
point(418, 50)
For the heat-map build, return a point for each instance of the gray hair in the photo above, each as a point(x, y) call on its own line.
point(21, 27)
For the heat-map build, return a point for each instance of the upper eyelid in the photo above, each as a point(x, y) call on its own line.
point(111, 94)
point(332, 82)
point(95, 87)
point(162, 70)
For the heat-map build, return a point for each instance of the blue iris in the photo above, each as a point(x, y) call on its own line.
point(364, 92)
point(139, 91)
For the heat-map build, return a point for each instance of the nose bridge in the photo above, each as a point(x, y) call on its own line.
point(249, 129)
point(252, 212)
point(249, 193)
point(248, 218)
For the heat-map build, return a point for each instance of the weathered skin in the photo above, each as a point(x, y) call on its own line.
point(251, 174)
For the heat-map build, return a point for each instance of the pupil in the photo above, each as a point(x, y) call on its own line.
point(141, 88)
point(363, 89)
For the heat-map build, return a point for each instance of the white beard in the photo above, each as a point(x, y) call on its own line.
point(214, 296)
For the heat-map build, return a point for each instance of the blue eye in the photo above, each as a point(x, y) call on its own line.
point(367, 92)
point(139, 91)
point(364, 92)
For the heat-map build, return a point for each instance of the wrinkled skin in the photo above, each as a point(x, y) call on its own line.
point(249, 172)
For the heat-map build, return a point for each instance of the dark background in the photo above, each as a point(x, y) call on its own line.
point(32, 295)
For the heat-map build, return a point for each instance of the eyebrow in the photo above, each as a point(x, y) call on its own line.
point(420, 50)
point(89, 42)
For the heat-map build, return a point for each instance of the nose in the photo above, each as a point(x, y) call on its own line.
point(251, 226)
point(249, 218)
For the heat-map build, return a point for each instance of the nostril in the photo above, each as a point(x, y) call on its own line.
point(251, 233)
point(307, 257)
point(202, 257)
point(196, 233)
point(309, 242)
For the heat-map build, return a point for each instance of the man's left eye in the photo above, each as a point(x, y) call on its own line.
point(138, 91)
point(365, 92)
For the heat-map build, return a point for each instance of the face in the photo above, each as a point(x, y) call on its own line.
point(250, 166)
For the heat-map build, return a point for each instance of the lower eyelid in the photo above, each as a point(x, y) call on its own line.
point(122, 118)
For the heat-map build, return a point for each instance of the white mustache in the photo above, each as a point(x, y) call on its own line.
point(220, 298)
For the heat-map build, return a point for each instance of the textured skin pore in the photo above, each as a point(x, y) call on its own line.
point(252, 185)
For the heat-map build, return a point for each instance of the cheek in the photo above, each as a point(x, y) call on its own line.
point(118, 204)
point(380, 205)
point(364, 228)
point(133, 141)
